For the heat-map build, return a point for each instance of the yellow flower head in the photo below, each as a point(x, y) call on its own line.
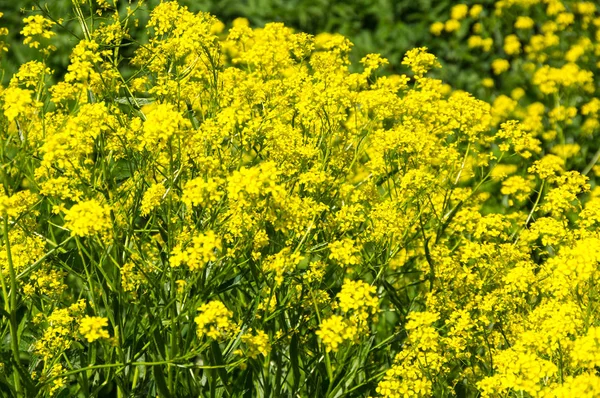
point(420, 61)
point(215, 321)
point(88, 218)
point(92, 328)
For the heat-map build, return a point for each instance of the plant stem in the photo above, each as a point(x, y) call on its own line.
point(533, 209)
point(14, 336)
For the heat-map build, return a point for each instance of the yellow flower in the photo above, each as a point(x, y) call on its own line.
point(198, 252)
point(475, 41)
point(452, 25)
point(36, 25)
point(152, 198)
point(524, 23)
point(58, 382)
point(17, 102)
point(512, 45)
point(500, 65)
point(282, 262)
point(459, 11)
point(475, 10)
point(420, 61)
point(436, 28)
point(517, 93)
point(88, 218)
point(334, 331)
point(547, 167)
point(257, 343)
point(359, 299)
point(215, 321)
point(518, 186)
point(92, 328)
point(17, 204)
point(162, 123)
point(344, 252)
point(487, 82)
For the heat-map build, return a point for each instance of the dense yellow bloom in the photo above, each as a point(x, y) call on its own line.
point(517, 370)
point(512, 45)
point(59, 334)
point(36, 25)
point(524, 23)
point(203, 192)
point(92, 328)
point(547, 167)
point(475, 41)
point(359, 299)
point(334, 331)
point(452, 25)
point(162, 123)
point(344, 251)
point(590, 215)
point(15, 205)
point(25, 251)
point(585, 385)
point(281, 263)
point(88, 218)
point(394, 230)
point(459, 11)
point(257, 343)
point(152, 198)
point(17, 102)
point(408, 377)
point(566, 151)
point(214, 321)
point(517, 186)
point(550, 230)
point(31, 73)
point(250, 183)
point(515, 136)
point(475, 10)
point(500, 65)
point(561, 199)
point(196, 253)
point(586, 349)
point(420, 61)
point(45, 281)
point(436, 28)
point(550, 79)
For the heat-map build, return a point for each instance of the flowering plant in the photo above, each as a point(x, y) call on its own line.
point(240, 214)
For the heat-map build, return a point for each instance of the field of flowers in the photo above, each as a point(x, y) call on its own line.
point(223, 210)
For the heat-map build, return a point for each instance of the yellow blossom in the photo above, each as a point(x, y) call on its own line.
point(92, 328)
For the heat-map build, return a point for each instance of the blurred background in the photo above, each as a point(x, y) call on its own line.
point(388, 27)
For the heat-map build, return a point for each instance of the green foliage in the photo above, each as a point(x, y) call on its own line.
point(386, 27)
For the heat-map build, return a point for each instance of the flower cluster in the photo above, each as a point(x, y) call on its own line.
point(92, 328)
point(88, 218)
point(246, 210)
point(214, 321)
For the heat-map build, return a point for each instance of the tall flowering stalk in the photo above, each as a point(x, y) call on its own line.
point(242, 211)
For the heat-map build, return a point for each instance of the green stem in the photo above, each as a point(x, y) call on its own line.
point(4, 292)
point(14, 336)
point(533, 209)
point(327, 359)
point(87, 274)
point(157, 363)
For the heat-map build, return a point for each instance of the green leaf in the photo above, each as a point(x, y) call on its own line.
point(294, 359)
point(218, 361)
point(161, 383)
